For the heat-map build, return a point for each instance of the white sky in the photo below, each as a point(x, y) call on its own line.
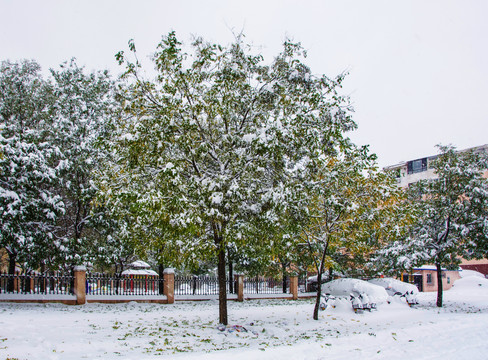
point(418, 68)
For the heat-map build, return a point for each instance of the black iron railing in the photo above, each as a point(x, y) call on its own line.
point(50, 283)
point(101, 284)
point(303, 285)
point(201, 285)
point(110, 285)
point(266, 286)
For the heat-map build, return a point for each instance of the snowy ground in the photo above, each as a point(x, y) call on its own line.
point(276, 329)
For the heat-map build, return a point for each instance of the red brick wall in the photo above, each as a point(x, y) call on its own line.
point(482, 268)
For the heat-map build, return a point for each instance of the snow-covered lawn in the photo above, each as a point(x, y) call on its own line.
point(276, 329)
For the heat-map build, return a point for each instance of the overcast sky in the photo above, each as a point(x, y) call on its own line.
point(418, 69)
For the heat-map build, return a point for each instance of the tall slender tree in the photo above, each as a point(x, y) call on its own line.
point(351, 209)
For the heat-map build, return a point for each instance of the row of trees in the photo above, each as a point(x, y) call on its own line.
point(48, 152)
point(221, 159)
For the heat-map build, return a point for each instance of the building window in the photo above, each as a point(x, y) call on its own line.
point(429, 278)
point(416, 166)
point(448, 280)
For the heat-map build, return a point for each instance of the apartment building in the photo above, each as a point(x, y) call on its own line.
point(409, 172)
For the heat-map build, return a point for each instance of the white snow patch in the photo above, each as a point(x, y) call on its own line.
point(465, 273)
point(259, 329)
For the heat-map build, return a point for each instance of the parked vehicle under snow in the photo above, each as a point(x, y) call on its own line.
point(363, 295)
point(397, 288)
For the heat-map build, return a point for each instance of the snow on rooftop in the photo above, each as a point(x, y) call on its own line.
point(144, 272)
point(140, 264)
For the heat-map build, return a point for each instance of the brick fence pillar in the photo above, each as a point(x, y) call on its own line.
point(169, 285)
point(240, 287)
point(294, 287)
point(80, 284)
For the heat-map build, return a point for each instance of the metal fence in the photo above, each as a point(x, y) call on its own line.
point(208, 285)
point(265, 286)
point(101, 284)
point(49, 283)
point(201, 285)
point(304, 285)
point(110, 285)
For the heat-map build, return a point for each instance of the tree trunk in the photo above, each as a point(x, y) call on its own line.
point(222, 285)
point(319, 295)
point(161, 277)
point(42, 278)
point(438, 262)
point(320, 271)
point(12, 257)
point(439, 284)
point(231, 275)
point(218, 230)
point(285, 278)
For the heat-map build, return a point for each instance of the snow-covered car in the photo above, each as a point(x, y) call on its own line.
point(399, 288)
point(467, 273)
point(312, 283)
point(362, 294)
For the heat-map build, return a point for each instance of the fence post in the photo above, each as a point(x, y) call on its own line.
point(80, 284)
point(240, 287)
point(16, 282)
point(169, 284)
point(294, 287)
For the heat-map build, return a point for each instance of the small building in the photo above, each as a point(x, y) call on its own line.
point(425, 277)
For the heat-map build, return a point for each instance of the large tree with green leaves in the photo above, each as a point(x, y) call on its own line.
point(451, 215)
point(208, 149)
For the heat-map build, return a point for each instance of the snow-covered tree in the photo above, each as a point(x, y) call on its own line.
point(212, 145)
point(29, 205)
point(351, 209)
point(84, 103)
point(451, 215)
